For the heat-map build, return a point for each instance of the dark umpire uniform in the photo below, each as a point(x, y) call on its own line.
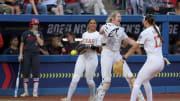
point(31, 40)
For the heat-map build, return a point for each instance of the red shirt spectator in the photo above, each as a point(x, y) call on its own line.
point(169, 3)
point(71, 1)
point(1, 41)
point(27, 1)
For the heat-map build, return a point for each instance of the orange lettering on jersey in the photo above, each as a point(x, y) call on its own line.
point(91, 41)
point(154, 32)
point(156, 41)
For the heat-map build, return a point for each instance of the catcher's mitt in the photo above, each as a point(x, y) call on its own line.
point(82, 48)
point(118, 68)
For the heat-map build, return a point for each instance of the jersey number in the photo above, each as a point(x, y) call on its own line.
point(157, 41)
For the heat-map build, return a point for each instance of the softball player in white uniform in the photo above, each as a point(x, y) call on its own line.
point(152, 41)
point(86, 62)
point(113, 34)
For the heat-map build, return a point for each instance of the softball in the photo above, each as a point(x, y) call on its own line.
point(73, 52)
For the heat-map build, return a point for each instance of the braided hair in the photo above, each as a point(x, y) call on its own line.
point(151, 20)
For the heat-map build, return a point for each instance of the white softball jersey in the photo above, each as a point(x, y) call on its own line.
point(113, 36)
point(111, 51)
point(91, 38)
point(151, 41)
point(88, 61)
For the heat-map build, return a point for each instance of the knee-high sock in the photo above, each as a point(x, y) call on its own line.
point(25, 84)
point(36, 84)
point(148, 90)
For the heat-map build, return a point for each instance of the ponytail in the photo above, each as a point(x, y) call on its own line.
point(151, 20)
point(154, 26)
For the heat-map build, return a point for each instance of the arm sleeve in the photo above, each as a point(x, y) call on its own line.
point(142, 38)
point(1, 41)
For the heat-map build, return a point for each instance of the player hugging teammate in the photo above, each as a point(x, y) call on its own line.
point(152, 41)
point(113, 35)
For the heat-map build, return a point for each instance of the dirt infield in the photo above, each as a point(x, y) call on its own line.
point(120, 97)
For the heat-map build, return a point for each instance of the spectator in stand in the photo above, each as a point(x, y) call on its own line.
point(4, 9)
point(169, 5)
point(97, 6)
point(117, 2)
point(73, 5)
point(155, 7)
point(54, 6)
point(44, 51)
point(13, 49)
point(56, 46)
point(177, 44)
point(136, 4)
point(177, 47)
point(35, 7)
point(1, 42)
point(13, 4)
point(178, 7)
point(71, 43)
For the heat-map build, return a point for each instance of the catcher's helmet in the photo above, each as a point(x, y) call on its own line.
point(33, 21)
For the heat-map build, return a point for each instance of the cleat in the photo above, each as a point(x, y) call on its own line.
point(24, 94)
point(92, 98)
point(65, 99)
point(35, 94)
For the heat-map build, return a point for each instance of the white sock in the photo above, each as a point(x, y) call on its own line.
point(71, 90)
point(36, 84)
point(25, 83)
